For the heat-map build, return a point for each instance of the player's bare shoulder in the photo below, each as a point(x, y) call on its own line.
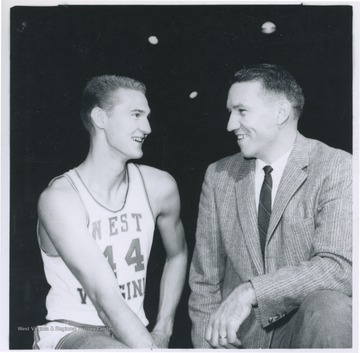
point(157, 177)
point(58, 200)
point(161, 187)
point(58, 192)
point(54, 202)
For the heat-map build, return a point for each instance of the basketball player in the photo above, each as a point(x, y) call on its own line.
point(95, 231)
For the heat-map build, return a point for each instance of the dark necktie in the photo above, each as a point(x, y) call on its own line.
point(265, 207)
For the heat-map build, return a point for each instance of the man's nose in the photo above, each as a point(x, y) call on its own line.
point(145, 127)
point(233, 123)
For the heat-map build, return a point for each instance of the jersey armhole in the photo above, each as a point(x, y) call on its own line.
point(39, 241)
point(146, 193)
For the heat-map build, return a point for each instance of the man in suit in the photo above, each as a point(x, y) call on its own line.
point(272, 263)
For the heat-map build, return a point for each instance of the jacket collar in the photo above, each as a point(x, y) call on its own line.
point(293, 177)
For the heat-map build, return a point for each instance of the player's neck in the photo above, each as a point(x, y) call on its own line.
point(106, 183)
point(103, 170)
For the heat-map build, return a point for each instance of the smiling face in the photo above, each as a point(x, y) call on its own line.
point(253, 119)
point(126, 125)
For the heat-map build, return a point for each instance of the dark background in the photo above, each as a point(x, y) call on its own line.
point(55, 50)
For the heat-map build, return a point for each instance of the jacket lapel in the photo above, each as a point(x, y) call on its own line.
point(245, 200)
point(293, 177)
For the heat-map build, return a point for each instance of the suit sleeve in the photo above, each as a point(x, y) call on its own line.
point(330, 265)
point(208, 265)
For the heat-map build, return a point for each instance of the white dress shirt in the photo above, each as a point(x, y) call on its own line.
point(278, 168)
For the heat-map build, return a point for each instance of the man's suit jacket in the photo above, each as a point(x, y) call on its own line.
point(308, 246)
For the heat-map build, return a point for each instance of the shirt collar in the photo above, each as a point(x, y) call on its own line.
point(278, 166)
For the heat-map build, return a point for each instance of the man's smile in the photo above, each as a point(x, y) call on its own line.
point(139, 138)
point(241, 136)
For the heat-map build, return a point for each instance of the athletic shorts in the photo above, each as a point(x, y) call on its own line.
point(53, 334)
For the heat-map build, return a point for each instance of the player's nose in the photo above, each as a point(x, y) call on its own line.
point(145, 126)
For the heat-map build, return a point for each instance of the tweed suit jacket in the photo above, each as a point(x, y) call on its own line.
point(308, 246)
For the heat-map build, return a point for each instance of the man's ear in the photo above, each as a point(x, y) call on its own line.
point(283, 111)
point(98, 117)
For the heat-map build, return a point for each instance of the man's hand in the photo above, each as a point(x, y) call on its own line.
point(226, 320)
point(160, 338)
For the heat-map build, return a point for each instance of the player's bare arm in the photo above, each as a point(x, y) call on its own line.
point(63, 218)
point(165, 201)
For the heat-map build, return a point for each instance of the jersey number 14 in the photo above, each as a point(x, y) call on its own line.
point(133, 256)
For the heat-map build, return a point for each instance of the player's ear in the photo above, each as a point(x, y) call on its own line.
point(98, 117)
point(283, 109)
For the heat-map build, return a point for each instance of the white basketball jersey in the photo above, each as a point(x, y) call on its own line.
point(124, 236)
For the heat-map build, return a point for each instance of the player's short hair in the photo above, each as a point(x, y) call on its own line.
point(275, 79)
point(99, 92)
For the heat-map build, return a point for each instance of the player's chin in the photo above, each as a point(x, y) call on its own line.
point(138, 154)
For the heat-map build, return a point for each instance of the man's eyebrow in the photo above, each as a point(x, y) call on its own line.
point(136, 110)
point(237, 106)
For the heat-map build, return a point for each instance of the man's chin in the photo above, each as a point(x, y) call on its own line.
point(246, 154)
point(138, 155)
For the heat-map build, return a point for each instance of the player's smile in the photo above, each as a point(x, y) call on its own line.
point(128, 119)
point(139, 139)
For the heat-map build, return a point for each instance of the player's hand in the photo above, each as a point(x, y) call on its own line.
point(226, 320)
point(160, 338)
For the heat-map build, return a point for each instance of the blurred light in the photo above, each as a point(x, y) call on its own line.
point(268, 27)
point(153, 40)
point(193, 95)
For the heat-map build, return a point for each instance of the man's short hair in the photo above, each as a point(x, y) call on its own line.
point(275, 79)
point(99, 92)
